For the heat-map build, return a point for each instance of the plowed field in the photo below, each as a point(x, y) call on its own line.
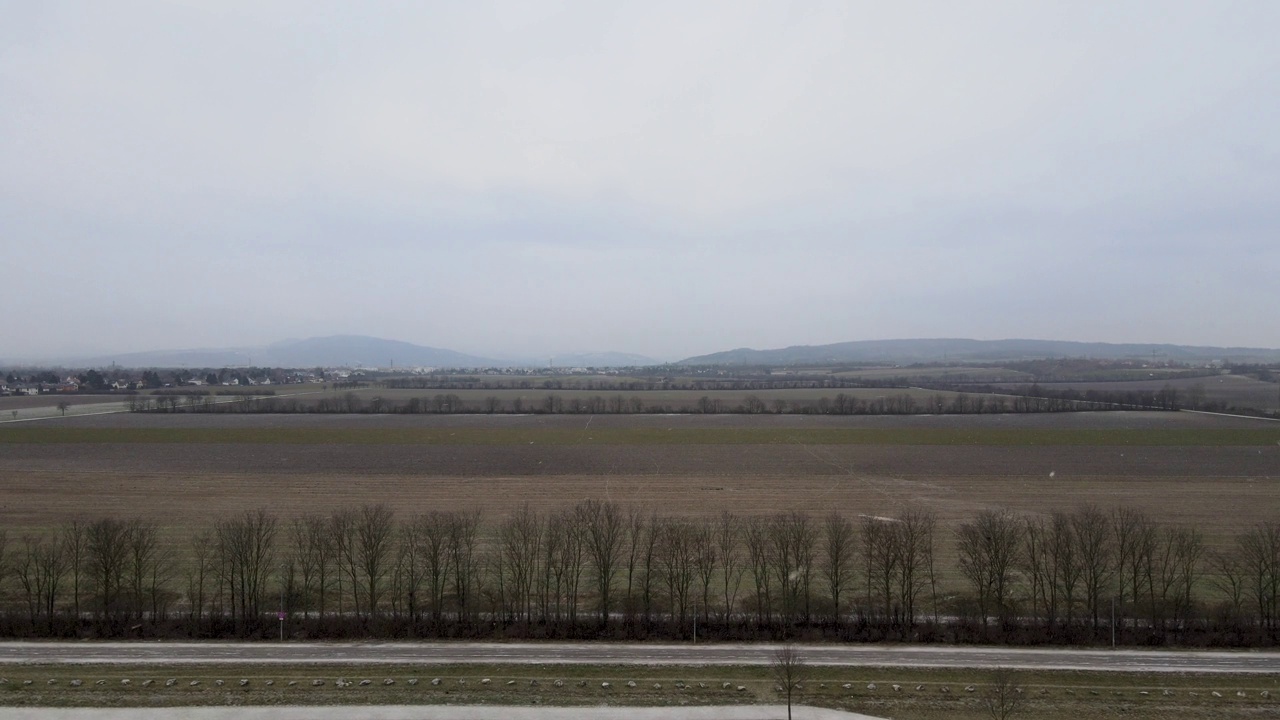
point(185, 470)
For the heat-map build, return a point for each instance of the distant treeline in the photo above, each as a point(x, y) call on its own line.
point(1166, 398)
point(595, 570)
point(762, 381)
point(552, 403)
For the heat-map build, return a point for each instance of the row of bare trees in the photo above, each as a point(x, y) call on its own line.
point(1092, 569)
point(597, 569)
point(841, 404)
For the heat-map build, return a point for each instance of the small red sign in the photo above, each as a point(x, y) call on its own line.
point(280, 616)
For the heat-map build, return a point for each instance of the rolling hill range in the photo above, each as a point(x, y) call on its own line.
point(347, 351)
point(954, 349)
point(332, 351)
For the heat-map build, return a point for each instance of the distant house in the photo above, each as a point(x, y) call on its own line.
point(122, 385)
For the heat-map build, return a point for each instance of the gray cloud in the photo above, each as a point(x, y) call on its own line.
point(650, 177)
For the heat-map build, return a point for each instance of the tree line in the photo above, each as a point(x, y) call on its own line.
point(597, 570)
point(555, 404)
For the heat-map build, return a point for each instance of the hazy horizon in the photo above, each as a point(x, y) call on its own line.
point(651, 178)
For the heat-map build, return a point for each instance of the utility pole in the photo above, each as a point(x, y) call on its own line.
point(281, 615)
point(1113, 622)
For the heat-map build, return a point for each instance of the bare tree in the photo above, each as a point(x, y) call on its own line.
point(987, 549)
point(107, 545)
point(605, 535)
point(375, 532)
point(1064, 562)
point(199, 570)
point(881, 556)
point(756, 534)
point(463, 533)
point(1001, 697)
point(637, 531)
point(143, 554)
point(1259, 551)
point(789, 672)
point(705, 557)
point(726, 534)
point(1134, 535)
point(246, 549)
point(342, 541)
point(409, 572)
point(433, 533)
point(520, 539)
point(915, 547)
point(676, 560)
point(837, 567)
point(1096, 550)
point(74, 539)
point(40, 567)
point(1228, 577)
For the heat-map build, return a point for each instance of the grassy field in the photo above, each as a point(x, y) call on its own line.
point(921, 694)
point(185, 471)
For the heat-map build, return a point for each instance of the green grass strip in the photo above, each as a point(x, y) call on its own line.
point(649, 436)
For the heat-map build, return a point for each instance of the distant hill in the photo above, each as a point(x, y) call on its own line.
point(333, 351)
point(346, 351)
point(953, 349)
point(360, 350)
point(604, 359)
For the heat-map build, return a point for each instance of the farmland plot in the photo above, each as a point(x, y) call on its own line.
point(1219, 474)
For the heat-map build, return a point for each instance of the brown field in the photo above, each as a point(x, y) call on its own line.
point(1234, 390)
point(785, 464)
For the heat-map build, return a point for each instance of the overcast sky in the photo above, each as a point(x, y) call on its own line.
point(662, 178)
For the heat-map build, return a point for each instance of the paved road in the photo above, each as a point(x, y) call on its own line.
point(630, 654)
